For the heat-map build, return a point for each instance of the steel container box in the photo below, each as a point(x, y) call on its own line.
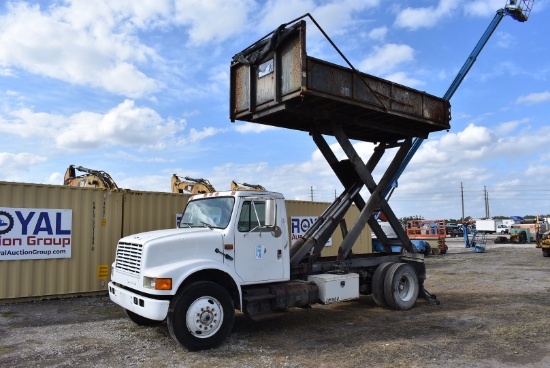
point(335, 288)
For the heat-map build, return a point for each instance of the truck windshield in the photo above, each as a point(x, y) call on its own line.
point(211, 212)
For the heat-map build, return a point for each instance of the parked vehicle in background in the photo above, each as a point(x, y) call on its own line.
point(453, 230)
point(503, 229)
point(429, 231)
point(488, 226)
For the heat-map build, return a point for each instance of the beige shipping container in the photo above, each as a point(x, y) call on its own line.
point(146, 211)
point(314, 209)
point(95, 229)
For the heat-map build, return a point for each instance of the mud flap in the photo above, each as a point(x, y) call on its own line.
point(430, 298)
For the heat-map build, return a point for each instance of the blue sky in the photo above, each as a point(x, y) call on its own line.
point(140, 89)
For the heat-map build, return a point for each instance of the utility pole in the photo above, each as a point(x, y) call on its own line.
point(311, 192)
point(488, 208)
point(462, 196)
point(486, 198)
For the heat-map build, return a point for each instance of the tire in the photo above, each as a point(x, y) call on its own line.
point(427, 250)
point(523, 237)
point(401, 286)
point(546, 252)
point(201, 316)
point(378, 284)
point(139, 320)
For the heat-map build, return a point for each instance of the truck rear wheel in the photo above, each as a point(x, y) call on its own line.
point(139, 320)
point(378, 284)
point(545, 252)
point(201, 316)
point(401, 286)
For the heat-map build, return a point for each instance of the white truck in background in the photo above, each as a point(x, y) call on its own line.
point(491, 227)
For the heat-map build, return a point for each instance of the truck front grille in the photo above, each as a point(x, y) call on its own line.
point(128, 258)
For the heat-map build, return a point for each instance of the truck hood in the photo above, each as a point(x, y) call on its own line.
point(177, 245)
point(142, 238)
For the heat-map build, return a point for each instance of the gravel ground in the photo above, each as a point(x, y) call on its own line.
point(492, 314)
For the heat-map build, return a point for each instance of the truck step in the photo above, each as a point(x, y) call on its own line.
point(255, 298)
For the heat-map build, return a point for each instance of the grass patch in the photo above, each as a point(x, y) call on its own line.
point(8, 314)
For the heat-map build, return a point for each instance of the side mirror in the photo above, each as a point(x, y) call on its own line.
point(270, 212)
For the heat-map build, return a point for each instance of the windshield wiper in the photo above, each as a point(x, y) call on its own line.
point(207, 225)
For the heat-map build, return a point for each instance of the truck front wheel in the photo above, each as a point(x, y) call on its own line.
point(201, 316)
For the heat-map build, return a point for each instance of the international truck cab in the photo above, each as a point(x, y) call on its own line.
point(225, 241)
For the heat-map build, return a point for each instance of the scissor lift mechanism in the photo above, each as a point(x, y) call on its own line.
point(274, 82)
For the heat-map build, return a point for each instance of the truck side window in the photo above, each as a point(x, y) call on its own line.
point(252, 216)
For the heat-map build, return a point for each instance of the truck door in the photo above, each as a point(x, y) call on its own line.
point(258, 250)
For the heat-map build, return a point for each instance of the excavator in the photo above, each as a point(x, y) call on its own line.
point(90, 178)
point(246, 186)
point(200, 186)
point(191, 185)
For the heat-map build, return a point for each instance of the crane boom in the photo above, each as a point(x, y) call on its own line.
point(517, 9)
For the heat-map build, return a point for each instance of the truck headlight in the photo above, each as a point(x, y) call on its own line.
point(157, 283)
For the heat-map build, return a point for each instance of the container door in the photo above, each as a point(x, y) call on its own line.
point(258, 251)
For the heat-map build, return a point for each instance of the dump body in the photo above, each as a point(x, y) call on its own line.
point(291, 90)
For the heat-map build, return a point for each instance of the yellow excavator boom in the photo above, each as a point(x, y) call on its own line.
point(90, 178)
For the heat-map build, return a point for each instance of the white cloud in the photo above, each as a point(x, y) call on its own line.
point(483, 8)
point(246, 128)
point(534, 98)
point(149, 183)
point(378, 33)
point(335, 17)
point(213, 20)
point(76, 46)
point(386, 58)
point(505, 40)
point(198, 135)
point(510, 126)
point(426, 17)
point(122, 155)
point(404, 79)
point(272, 13)
point(54, 178)
point(125, 124)
point(15, 164)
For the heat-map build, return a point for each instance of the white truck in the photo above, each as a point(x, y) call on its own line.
point(491, 226)
point(232, 251)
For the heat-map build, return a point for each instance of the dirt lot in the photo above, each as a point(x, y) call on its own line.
point(493, 313)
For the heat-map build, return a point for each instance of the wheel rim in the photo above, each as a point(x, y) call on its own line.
point(204, 317)
point(405, 287)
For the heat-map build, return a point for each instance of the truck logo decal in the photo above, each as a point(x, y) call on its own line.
point(259, 252)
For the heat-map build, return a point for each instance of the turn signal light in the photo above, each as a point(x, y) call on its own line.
point(163, 284)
